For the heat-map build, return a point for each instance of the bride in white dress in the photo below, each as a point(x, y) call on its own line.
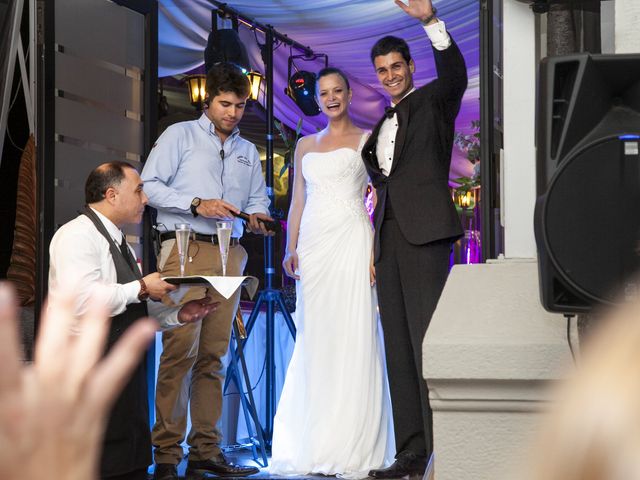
point(334, 415)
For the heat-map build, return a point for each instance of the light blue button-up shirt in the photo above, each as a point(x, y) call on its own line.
point(188, 161)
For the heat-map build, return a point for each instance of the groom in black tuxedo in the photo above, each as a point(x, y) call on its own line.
point(408, 157)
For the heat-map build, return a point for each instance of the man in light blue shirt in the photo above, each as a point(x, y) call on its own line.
point(198, 172)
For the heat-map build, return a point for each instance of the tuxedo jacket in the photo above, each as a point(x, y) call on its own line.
point(417, 185)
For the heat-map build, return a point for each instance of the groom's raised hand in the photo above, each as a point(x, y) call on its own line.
point(420, 9)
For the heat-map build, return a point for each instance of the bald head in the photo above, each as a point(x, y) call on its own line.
point(102, 177)
point(115, 190)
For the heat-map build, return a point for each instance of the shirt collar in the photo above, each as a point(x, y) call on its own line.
point(114, 231)
point(208, 126)
point(394, 105)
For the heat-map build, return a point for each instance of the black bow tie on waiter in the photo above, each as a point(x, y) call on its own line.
point(389, 111)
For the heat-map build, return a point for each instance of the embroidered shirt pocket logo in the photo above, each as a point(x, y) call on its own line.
point(243, 160)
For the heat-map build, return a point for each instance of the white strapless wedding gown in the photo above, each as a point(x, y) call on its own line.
point(334, 415)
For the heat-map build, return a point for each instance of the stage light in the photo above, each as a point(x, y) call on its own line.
point(197, 90)
point(255, 79)
point(224, 45)
point(302, 86)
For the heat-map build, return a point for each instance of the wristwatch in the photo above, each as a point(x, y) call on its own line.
point(144, 293)
point(427, 20)
point(195, 203)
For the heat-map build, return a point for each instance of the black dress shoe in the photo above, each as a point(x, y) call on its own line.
point(219, 466)
point(407, 463)
point(165, 471)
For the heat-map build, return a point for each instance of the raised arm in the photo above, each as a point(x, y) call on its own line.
point(452, 77)
point(450, 65)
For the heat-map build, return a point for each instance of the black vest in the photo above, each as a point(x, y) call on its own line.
point(127, 441)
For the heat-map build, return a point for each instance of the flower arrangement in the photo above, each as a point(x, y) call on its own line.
point(470, 145)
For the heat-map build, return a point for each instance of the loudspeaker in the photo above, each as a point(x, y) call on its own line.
point(587, 213)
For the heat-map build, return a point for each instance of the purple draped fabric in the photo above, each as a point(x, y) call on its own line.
point(345, 31)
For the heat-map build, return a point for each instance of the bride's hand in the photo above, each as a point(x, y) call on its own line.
point(290, 264)
point(372, 271)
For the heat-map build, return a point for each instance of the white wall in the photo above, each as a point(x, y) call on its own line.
point(519, 128)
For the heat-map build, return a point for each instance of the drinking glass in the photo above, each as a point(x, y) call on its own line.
point(183, 232)
point(224, 239)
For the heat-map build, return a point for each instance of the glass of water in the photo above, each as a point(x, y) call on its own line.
point(224, 239)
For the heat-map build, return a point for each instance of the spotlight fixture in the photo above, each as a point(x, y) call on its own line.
point(301, 88)
point(197, 90)
point(224, 45)
point(302, 85)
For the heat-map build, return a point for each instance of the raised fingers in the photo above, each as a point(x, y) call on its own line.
point(89, 344)
point(112, 373)
point(56, 324)
point(9, 349)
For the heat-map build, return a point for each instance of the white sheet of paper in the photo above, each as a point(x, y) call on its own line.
point(225, 286)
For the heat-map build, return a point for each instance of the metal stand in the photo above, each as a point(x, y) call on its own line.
point(269, 296)
point(246, 399)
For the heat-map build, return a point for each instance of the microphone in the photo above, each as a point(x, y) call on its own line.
point(272, 225)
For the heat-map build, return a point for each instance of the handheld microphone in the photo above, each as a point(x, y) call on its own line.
point(271, 225)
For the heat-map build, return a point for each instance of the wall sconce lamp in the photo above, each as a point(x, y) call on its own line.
point(197, 90)
point(465, 199)
point(255, 79)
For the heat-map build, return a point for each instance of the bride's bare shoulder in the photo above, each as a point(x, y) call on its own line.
point(305, 144)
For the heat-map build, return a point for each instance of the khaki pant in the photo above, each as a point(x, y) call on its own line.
point(190, 371)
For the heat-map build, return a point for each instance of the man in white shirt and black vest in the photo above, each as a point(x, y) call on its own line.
point(92, 251)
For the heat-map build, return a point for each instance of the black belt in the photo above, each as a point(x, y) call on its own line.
point(199, 237)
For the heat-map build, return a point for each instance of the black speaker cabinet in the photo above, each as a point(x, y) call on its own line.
point(587, 213)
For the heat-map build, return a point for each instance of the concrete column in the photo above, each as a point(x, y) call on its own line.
point(627, 21)
point(488, 357)
point(491, 349)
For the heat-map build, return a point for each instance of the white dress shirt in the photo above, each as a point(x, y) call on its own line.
point(440, 40)
point(80, 256)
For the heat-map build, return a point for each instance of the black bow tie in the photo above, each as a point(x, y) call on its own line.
point(389, 112)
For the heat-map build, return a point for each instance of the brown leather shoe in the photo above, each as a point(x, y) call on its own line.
point(407, 463)
point(219, 466)
point(165, 471)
